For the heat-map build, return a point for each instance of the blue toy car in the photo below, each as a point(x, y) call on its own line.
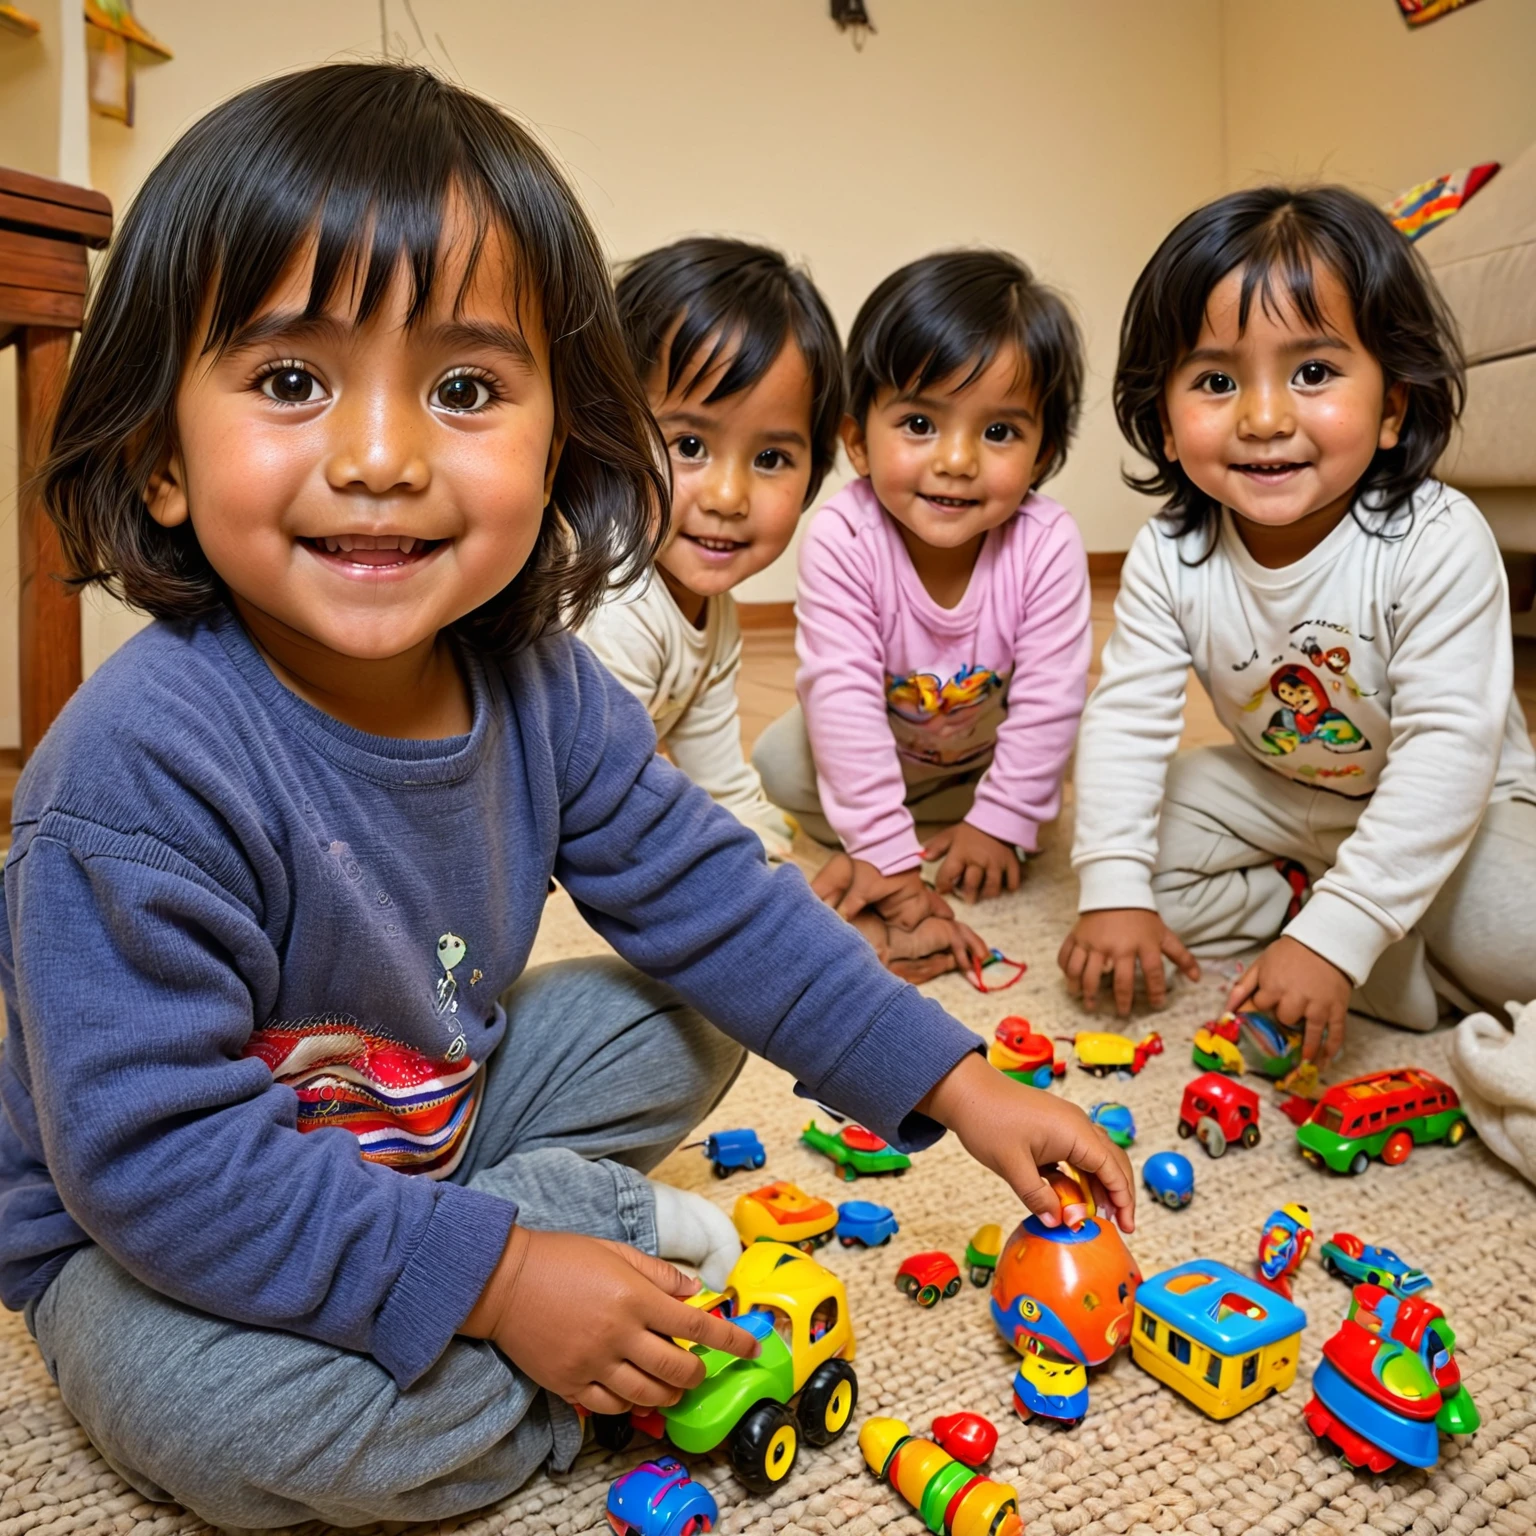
point(1346, 1256)
point(658, 1498)
point(865, 1223)
point(729, 1151)
point(1170, 1178)
point(1116, 1121)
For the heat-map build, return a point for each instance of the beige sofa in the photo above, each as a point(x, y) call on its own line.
point(1484, 259)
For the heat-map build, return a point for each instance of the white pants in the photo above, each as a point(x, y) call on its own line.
point(1225, 821)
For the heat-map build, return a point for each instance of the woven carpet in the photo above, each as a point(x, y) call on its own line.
point(1143, 1460)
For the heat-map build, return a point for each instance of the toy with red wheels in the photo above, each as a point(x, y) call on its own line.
point(1383, 1114)
point(926, 1277)
point(1217, 1111)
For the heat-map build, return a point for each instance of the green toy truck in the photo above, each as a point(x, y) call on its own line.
point(855, 1151)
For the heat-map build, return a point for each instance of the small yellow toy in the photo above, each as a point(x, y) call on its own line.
point(1215, 1336)
point(783, 1213)
point(951, 1498)
point(1101, 1052)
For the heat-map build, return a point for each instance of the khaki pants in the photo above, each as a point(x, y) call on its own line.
point(1225, 821)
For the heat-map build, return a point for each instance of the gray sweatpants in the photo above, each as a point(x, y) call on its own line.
point(782, 757)
point(601, 1073)
point(1225, 821)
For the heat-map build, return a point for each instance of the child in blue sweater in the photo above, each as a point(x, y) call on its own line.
point(318, 1204)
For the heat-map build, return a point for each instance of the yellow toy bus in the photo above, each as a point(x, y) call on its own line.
point(1216, 1337)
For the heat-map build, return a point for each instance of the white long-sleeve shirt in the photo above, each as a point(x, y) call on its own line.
point(686, 679)
point(1379, 668)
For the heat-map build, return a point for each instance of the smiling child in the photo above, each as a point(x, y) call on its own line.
point(743, 368)
point(1288, 369)
point(943, 607)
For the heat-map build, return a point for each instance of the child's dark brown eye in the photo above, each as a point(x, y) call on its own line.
point(461, 393)
point(1313, 373)
point(291, 386)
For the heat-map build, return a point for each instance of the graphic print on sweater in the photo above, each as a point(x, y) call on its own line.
point(1309, 712)
point(951, 724)
point(409, 1112)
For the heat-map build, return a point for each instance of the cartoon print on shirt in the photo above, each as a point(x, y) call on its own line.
point(952, 723)
point(1305, 716)
point(1334, 660)
point(451, 949)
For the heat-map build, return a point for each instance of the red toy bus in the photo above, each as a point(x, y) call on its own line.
point(1383, 1114)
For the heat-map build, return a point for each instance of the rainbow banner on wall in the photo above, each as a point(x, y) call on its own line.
point(1417, 12)
point(1430, 203)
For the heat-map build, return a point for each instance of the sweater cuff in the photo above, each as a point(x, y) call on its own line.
point(908, 1047)
point(1114, 882)
point(1344, 934)
point(892, 855)
point(442, 1280)
point(1005, 825)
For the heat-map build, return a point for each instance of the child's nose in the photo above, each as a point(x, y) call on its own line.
point(728, 493)
point(1267, 412)
point(957, 453)
point(376, 445)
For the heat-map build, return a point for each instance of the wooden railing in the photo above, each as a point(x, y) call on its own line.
point(45, 228)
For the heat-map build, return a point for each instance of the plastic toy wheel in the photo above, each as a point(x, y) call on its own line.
point(1330, 1266)
point(1211, 1136)
point(1358, 1164)
point(760, 1159)
point(1250, 1136)
point(906, 1284)
point(953, 1288)
point(763, 1446)
point(828, 1402)
point(721, 1171)
point(1186, 1130)
point(1170, 1198)
point(1399, 1145)
point(980, 1276)
point(612, 1431)
point(1457, 1134)
point(848, 1242)
point(884, 1241)
point(1372, 1277)
point(928, 1296)
point(848, 1173)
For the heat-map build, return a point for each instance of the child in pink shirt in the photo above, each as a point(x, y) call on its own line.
point(943, 609)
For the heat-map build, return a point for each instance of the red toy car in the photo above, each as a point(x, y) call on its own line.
point(927, 1276)
point(1218, 1111)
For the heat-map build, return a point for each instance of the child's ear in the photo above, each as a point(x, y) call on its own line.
point(854, 443)
point(166, 494)
point(1393, 409)
point(1042, 464)
point(556, 448)
point(1170, 448)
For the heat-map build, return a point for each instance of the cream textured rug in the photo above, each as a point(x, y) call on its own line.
point(1143, 1460)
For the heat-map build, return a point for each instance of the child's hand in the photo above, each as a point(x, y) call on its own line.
point(851, 885)
point(1016, 1131)
point(1113, 941)
point(919, 954)
point(976, 866)
point(594, 1321)
point(1299, 987)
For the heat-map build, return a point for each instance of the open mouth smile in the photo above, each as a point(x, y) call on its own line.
point(372, 555)
point(1272, 474)
point(950, 503)
point(714, 549)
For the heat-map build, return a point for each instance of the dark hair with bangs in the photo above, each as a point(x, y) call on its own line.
point(363, 159)
point(732, 297)
point(1276, 236)
point(955, 311)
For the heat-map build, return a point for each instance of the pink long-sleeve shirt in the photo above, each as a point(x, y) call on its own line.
point(897, 690)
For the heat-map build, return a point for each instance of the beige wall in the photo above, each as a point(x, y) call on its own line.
point(1072, 133)
point(1341, 90)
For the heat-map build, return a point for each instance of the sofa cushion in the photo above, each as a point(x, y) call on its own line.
point(1485, 262)
point(1494, 445)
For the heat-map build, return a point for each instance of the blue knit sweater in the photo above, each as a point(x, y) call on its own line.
point(251, 960)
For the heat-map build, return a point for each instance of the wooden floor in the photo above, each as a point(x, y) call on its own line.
point(768, 678)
